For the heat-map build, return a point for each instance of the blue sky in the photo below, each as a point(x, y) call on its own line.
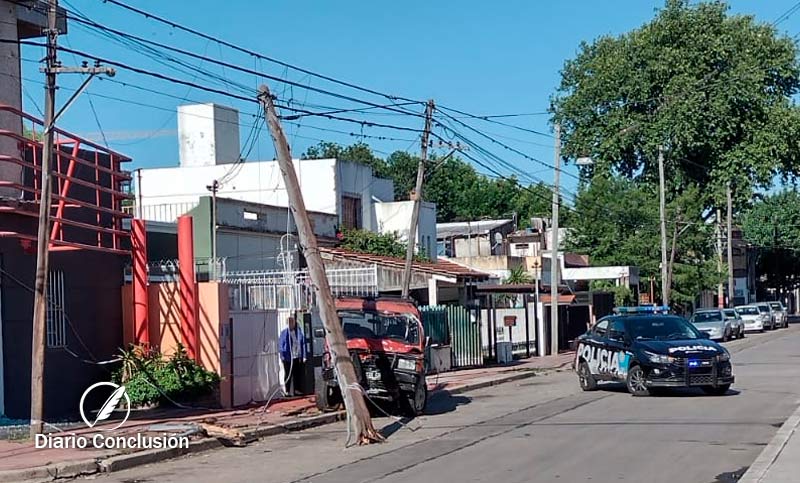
point(482, 57)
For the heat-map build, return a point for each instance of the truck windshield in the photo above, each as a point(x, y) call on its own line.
point(661, 328)
point(376, 325)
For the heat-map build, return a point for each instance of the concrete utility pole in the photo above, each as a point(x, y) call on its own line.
point(554, 265)
point(720, 289)
point(359, 417)
point(417, 199)
point(662, 208)
point(43, 233)
point(39, 323)
point(213, 187)
point(731, 287)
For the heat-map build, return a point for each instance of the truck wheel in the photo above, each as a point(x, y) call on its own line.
point(636, 382)
point(413, 403)
point(585, 377)
point(716, 391)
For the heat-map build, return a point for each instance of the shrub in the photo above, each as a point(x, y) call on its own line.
point(386, 244)
point(151, 378)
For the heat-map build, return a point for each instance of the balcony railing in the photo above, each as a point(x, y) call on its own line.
point(88, 187)
point(164, 212)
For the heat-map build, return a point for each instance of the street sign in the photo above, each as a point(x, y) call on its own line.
point(510, 320)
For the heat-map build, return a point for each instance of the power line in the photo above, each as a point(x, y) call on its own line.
point(242, 69)
point(178, 26)
point(785, 15)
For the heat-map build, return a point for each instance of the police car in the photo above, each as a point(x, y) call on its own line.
point(649, 349)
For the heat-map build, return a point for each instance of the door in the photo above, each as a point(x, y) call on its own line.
point(618, 358)
point(256, 371)
point(592, 346)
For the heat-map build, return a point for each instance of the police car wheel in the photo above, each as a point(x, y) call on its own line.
point(636, 382)
point(716, 391)
point(585, 377)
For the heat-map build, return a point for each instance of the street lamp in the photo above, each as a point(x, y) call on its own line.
point(584, 161)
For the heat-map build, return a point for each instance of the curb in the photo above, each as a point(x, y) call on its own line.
point(126, 461)
point(758, 470)
point(70, 469)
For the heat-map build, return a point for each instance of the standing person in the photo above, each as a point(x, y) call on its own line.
point(293, 355)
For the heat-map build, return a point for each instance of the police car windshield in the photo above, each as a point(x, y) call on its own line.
point(661, 328)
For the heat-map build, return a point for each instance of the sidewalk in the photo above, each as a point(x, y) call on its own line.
point(20, 460)
point(780, 460)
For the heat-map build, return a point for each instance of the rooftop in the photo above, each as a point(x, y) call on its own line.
point(464, 228)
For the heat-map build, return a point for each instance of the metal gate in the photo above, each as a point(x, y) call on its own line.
point(256, 367)
point(458, 327)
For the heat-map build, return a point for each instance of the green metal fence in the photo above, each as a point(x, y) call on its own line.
point(458, 327)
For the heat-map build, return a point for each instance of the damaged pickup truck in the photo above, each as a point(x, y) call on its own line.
point(386, 342)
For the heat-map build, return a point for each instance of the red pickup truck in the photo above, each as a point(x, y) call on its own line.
point(386, 342)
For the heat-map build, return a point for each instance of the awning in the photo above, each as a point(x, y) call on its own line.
point(562, 299)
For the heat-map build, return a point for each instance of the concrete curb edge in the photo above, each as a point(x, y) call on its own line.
point(126, 461)
point(758, 470)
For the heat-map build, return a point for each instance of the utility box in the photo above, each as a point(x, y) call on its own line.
point(504, 354)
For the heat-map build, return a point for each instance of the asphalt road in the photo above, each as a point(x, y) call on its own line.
point(542, 429)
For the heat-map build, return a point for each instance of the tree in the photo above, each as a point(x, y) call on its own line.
point(714, 89)
point(772, 225)
point(359, 153)
point(615, 222)
point(459, 191)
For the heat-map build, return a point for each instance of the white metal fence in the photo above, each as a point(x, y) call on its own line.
point(293, 290)
point(165, 212)
point(56, 316)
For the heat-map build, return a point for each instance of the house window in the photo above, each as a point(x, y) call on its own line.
point(56, 317)
point(351, 212)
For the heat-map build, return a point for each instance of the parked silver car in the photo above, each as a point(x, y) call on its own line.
point(753, 319)
point(767, 315)
point(714, 323)
point(781, 314)
point(737, 324)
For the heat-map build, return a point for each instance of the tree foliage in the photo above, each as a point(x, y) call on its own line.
point(714, 89)
point(772, 225)
point(616, 223)
point(459, 191)
point(385, 244)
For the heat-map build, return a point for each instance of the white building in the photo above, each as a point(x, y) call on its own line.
point(209, 148)
point(395, 217)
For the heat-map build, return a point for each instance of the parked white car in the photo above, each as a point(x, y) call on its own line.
point(752, 317)
point(737, 324)
point(714, 323)
point(781, 314)
point(767, 314)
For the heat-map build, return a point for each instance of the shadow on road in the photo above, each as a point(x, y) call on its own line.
point(443, 402)
point(667, 393)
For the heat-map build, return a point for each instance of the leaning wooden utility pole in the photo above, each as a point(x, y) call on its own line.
point(43, 233)
point(39, 325)
point(416, 197)
point(357, 411)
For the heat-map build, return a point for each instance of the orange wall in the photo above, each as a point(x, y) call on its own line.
point(164, 321)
